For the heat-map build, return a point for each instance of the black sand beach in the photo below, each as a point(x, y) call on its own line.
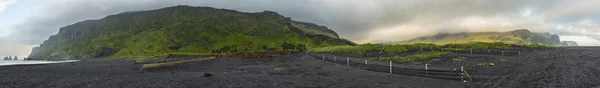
point(287, 71)
point(571, 67)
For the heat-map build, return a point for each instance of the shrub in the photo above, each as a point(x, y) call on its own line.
point(360, 49)
point(411, 58)
point(397, 49)
point(535, 46)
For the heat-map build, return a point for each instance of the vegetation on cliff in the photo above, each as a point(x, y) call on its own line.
point(522, 37)
point(183, 30)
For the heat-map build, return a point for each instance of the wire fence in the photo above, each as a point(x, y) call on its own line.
point(422, 71)
point(499, 52)
point(517, 51)
point(451, 73)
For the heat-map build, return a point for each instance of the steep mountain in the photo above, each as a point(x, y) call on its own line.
point(569, 43)
point(183, 30)
point(521, 36)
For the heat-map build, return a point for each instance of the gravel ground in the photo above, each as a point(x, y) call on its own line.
point(287, 71)
point(569, 67)
point(572, 67)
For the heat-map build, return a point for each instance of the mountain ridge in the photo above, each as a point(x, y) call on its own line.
point(183, 29)
point(520, 36)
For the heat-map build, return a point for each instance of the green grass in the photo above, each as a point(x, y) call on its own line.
point(522, 36)
point(436, 53)
point(410, 58)
point(458, 59)
point(538, 46)
point(363, 48)
point(398, 49)
point(479, 45)
point(494, 45)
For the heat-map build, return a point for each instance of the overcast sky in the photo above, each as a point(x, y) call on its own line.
point(27, 23)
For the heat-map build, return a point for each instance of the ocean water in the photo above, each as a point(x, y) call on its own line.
point(29, 62)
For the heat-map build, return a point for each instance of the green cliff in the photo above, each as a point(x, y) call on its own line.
point(521, 36)
point(183, 30)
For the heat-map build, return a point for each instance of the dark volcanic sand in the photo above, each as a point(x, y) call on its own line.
point(572, 67)
point(569, 67)
point(288, 71)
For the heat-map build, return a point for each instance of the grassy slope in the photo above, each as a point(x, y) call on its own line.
point(311, 30)
point(512, 37)
point(181, 30)
point(404, 48)
point(409, 58)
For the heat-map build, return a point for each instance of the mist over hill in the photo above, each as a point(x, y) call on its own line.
point(521, 36)
point(183, 30)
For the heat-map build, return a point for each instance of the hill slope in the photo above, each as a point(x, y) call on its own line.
point(521, 36)
point(183, 29)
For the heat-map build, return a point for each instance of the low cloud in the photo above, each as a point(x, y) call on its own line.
point(5, 3)
point(14, 49)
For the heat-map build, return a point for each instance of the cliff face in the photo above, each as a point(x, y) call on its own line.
point(569, 43)
point(34, 51)
point(522, 36)
point(314, 29)
point(183, 30)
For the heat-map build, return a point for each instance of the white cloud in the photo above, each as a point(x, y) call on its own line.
point(14, 49)
point(6, 3)
point(399, 32)
point(586, 27)
point(571, 18)
point(4, 33)
point(581, 40)
point(359, 20)
point(426, 26)
point(573, 9)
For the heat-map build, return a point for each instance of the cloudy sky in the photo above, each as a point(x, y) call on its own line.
point(27, 23)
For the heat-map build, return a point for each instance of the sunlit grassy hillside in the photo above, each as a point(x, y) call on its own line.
point(512, 37)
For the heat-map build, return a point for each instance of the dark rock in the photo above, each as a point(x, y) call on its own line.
point(206, 74)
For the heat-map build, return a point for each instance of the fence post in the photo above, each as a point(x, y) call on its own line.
point(462, 72)
point(502, 52)
point(348, 61)
point(334, 59)
point(426, 71)
point(323, 57)
point(390, 67)
point(471, 51)
point(488, 50)
point(442, 49)
point(421, 49)
point(519, 53)
point(366, 64)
